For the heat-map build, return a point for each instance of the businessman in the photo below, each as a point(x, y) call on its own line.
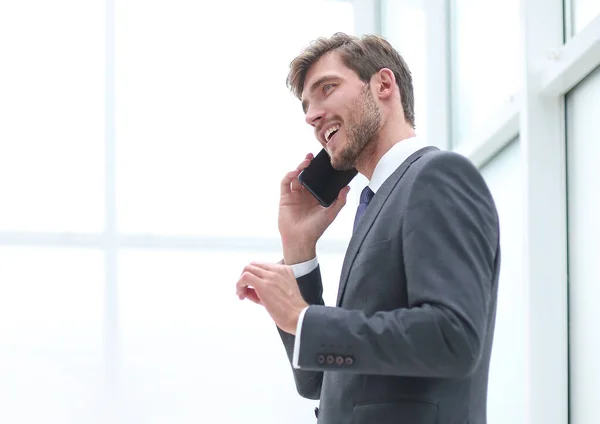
point(410, 337)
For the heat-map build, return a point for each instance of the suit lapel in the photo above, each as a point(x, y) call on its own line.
point(371, 214)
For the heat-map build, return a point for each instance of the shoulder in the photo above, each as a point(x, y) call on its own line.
point(443, 163)
point(449, 177)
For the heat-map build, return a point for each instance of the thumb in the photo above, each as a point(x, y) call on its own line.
point(339, 203)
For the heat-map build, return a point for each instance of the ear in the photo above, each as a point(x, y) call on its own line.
point(385, 83)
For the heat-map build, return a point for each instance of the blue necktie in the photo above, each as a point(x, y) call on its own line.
point(365, 197)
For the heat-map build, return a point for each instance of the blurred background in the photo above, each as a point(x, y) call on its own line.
point(141, 148)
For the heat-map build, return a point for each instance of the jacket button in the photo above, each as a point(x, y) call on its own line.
point(330, 359)
point(349, 360)
point(339, 360)
point(316, 412)
point(321, 359)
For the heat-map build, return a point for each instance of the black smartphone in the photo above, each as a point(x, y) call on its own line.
point(323, 180)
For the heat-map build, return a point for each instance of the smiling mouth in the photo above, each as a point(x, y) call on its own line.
point(330, 132)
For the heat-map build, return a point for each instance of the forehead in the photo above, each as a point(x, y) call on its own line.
point(330, 64)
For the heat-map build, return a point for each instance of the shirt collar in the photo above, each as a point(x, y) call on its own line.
point(392, 159)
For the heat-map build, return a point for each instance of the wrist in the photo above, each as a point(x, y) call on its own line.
point(294, 323)
point(295, 253)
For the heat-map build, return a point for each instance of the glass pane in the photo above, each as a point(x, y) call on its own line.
point(190, 346)
point(403, 24)
point(508, 368)
point(583, 154)
point(583, 12)
point(52, 115)
point(486, 54)
point(51, 311)
point(206, 126)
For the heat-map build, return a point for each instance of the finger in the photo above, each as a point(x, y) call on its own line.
point(247, 279)
point(252, 295)
point(339, 203)
point(265, 266)
point(273, 268)
point(302, 165)
point(296, 184)
point(241, 293)
point(293, 175)
point(257, 270)
point(287, 180)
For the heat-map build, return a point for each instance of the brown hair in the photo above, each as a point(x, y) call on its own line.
point(365, 56)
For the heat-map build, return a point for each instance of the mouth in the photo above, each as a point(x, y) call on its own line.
point(331, 132)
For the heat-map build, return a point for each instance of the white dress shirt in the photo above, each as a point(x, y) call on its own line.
point(386, 166)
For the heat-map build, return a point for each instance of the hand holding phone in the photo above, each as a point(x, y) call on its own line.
point(323, 180)
point(302, 219)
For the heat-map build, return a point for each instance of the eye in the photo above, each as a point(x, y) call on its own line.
point(327, 88)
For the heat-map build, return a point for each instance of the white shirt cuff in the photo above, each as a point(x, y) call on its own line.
point(297, 339)
point(304, 268)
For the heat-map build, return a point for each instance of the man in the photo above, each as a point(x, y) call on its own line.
point(410, 338)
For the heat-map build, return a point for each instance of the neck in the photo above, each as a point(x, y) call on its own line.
point(389, 135)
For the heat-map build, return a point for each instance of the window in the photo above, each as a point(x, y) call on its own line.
point(204, 130)
point(206, 126)
point(582, 13)
point(508, 366)
point(485, 62)
point(583, 154)
point(404, 26)
point(52, 109)
point(51, 334)
point(190, 346)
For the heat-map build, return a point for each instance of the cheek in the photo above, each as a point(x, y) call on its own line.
point(336, 106)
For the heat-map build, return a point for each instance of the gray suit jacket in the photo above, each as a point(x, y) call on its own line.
point(409, 341)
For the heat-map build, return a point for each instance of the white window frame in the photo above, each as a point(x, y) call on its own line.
point(569, 64)
point(438, 62)
point(542, 135)
point(564, 66)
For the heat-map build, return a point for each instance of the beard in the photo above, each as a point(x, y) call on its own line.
point(362, 128)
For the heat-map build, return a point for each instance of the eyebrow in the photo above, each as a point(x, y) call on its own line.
point(316, 85)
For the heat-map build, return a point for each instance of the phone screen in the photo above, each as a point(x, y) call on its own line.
point(323, 180)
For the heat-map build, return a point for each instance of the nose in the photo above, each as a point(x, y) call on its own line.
point(314, 114)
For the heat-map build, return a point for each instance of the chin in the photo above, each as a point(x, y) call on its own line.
point(336, 162)
point(340, 166)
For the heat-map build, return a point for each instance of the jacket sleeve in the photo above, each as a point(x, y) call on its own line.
point(450, 240)
point(308, 383)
